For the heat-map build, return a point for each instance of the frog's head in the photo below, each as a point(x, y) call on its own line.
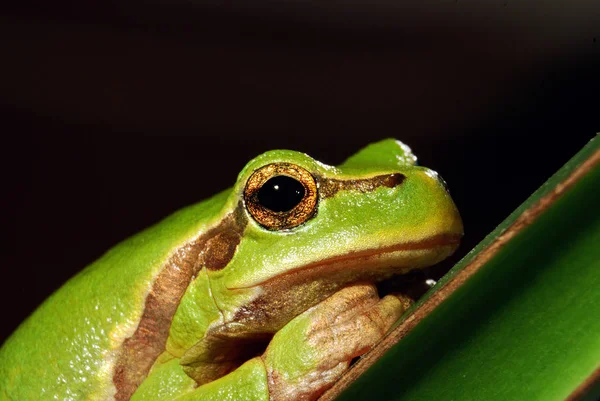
point(306, 229)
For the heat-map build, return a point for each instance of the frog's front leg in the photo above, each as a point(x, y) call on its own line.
point(310, 353)
point(302, 360)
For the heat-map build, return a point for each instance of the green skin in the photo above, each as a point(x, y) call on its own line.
point(69, 347)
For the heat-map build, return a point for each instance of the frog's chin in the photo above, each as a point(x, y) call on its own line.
point(371, 264)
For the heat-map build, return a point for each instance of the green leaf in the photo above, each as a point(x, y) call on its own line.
point(517, 319)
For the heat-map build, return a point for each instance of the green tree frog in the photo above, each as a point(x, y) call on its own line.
point(263, 292)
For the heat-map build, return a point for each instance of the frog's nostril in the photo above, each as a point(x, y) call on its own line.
point(443, 182)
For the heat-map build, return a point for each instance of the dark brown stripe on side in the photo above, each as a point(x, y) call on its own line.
point(328, 187)
point(220, 247)
point(213, 249)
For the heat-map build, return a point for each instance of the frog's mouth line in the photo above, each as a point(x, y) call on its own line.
point(436, 242)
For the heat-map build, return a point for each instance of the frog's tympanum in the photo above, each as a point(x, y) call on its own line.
point(263, 292)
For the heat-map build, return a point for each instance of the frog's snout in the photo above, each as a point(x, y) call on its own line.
point(444, 183)
point(444, 215)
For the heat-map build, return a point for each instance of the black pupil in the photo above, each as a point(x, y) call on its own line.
point(281, 193)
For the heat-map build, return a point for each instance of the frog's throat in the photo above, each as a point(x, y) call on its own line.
point(448, 241)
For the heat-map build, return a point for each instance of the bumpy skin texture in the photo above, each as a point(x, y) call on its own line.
point(176, 312)
point(67, 348)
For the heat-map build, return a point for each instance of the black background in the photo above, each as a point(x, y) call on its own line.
point(115, 116)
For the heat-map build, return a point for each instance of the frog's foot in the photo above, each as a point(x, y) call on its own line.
point(311, 352)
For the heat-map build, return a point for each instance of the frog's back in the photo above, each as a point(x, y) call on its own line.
point(67, 348)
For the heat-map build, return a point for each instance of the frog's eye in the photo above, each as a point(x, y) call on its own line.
point(281, 196)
